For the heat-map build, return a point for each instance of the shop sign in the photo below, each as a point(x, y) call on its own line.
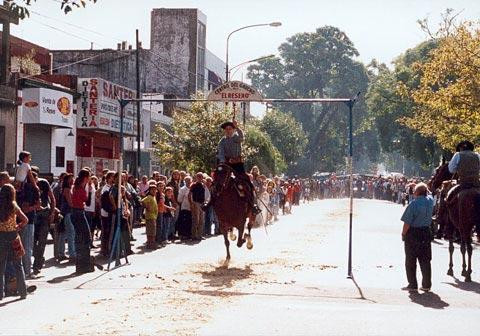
point(48, 107)
point(235, 91)
point(99, 106)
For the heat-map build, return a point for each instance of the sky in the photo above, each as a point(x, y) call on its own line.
point(380, 29)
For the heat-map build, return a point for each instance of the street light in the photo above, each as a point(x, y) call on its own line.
point(237, 67)
point(272, 24)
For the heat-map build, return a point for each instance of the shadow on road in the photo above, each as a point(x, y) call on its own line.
point(62, 278)
point(3, 304)
point(224, 277)
point(473, 286)
point(428, 300)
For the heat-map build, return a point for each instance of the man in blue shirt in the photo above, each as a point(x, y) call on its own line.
point(417, 236)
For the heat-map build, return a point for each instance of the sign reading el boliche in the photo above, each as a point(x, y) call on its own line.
point(99, 108)
point(48, 107)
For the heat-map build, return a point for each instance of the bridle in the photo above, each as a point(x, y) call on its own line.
point(227, 179)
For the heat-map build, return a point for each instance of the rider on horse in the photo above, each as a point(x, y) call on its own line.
point(230, 153)
point(466, 164)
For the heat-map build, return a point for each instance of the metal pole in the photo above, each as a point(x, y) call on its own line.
point(139, 128)
point(350, 164)
point(226, 59)
point(117, 240)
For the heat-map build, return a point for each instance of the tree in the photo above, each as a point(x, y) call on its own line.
point(448, 96)
point(20, 7)
point(192, 142)
point(316, 65)
point(262, 152)
point(286, 134)
point(388, 106)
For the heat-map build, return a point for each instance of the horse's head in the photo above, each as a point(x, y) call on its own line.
point(441, 174)
point(221, 176)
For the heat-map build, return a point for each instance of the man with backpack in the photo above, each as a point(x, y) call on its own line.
point(106, 212)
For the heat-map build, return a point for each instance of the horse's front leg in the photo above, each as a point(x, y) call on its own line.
point(451, 248)
point(227, 245)
point(468, 276)
point(463, 249)
point(241, 239)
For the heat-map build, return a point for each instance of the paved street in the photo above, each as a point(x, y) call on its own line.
point(293, 282)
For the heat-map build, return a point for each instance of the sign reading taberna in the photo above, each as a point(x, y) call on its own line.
point(47, 107)
point(235, 91)
point(99, 106)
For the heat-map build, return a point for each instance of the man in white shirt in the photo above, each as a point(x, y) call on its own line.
point(90, 210)
point(185, 216)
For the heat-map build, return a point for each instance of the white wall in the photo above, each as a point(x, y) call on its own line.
point(60, 138)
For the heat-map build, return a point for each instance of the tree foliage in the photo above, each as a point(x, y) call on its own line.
point(317, 65)
point(20, 7)
point(262, 152)
point(192, 142)
point(388, 105)
point(286, 134)
point(448, 95)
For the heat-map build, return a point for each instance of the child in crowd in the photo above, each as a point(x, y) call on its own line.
point(169, 214)
point(151, 213)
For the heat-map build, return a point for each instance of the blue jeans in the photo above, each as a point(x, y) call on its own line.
point(69, 235)
point(27, 236)
point(169, 229)
point(160, 229)
point(7, 255)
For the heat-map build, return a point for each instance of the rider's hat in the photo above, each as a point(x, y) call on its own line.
point(465, 145)
point(227, 124)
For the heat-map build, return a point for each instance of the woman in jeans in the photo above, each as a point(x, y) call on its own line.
point(66, 211)
point(9, 213)
point(81, 197)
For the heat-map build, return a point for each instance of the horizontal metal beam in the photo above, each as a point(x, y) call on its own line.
point(267, 100)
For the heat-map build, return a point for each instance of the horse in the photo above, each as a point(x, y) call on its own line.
point(231, 208)
point(461, 216)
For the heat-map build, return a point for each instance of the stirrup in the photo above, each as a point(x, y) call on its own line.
point(256, 210)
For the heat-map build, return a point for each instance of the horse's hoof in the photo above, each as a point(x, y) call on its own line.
point(241, 242)
point(468, 278)
point(249, 245)
point(464, 273)
point(450, 272)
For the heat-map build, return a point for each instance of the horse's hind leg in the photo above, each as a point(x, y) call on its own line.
point(463, 249)
point(227, 245)
point(451, 248)
point(468, 276)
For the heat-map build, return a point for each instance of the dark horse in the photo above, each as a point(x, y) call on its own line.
point(461, 216)
point(231, 209)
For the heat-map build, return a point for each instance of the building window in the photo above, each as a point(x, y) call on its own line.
point(59, 157)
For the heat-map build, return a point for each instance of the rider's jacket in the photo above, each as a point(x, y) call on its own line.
point(230, 147)
point(467, 165)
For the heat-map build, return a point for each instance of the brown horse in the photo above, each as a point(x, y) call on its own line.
point(231, 209)
point(462, 216)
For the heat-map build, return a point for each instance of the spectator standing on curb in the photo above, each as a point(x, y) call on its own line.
point(417, 236)
point(12, 219)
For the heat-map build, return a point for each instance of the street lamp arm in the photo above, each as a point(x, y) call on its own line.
point(272, 24)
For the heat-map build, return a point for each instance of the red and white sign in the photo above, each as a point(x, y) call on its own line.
point(235, 91)
point(48, 107)
point(99, 106)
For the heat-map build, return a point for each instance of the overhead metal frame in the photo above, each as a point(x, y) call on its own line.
point(350, 102)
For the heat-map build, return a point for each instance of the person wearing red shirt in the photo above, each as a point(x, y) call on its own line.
point(80, 198)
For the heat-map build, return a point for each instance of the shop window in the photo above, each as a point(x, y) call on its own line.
point(60, 157)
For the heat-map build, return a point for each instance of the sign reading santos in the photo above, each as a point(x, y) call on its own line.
point(235, 91)
point(99, 107)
